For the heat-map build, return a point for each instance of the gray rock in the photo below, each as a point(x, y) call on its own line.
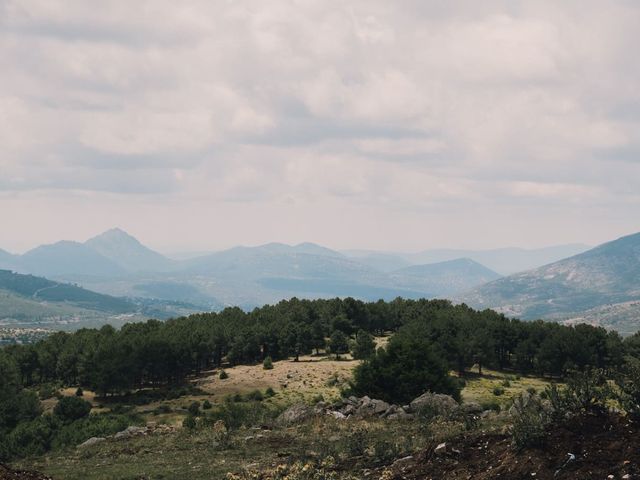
point(438, 403)
point(337, 415)
point(472, 408)
point(295, 414)
point(92, 441)
point(130, 432)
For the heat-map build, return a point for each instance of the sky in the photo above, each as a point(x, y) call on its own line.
point(391, 125)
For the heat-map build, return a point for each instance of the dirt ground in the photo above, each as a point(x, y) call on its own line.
point(7, 473)
point(602, 448)
point(308, 377)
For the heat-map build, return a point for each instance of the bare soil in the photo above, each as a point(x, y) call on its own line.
point(603, 447)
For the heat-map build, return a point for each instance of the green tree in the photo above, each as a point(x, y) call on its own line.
point(407, 368)
point(69, 409)
point(338, 343)
point(364, 345)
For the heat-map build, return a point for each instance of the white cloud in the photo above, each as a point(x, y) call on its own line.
point(389, 113)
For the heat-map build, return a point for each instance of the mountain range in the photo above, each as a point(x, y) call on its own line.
point(599, 285)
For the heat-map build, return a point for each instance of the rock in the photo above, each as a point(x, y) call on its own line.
point(295, 414)
point(441, 449)
point(92, 441)
point(402, 463)
point(337, 415)
point(438, 403)
point(371, 407)
point(130, 432)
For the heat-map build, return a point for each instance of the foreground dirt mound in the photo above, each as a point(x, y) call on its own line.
point(7, 473)
point(584, 448)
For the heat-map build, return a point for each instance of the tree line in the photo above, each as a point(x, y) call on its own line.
point(154, 353)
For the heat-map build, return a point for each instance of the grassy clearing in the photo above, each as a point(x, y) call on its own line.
point(199, 455)
point(480, 389)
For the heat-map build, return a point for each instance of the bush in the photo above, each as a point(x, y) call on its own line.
point(269, 392)
point(493, 405)
point(267, 364)
point(529, 422)
point(586, 392)
point(497, 391)
point(255, 395)
point(189, 422)
point(206, 405)
point(223, 375)
point(194, 409)
point(69, 409)
point(79, 392)
point(506, 383)
point(162, 409)
point(629, 389)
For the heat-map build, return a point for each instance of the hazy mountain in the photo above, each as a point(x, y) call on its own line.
point(67, 258)
point(385, 262)
point(7, 260)
point(605, 276)
point(502, 260)
point(124, 250)
point(444, 278)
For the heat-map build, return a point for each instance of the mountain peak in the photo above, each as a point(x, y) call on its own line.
point(113, 234)
point(127, 251)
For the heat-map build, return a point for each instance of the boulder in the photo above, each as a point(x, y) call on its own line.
point(371, 407)
point(92, 441)
point(472, 408)
point(437, 403)
point(295, 414)
point(130, 432)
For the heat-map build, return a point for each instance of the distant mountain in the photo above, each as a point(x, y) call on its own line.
point(606, 276)
point(444, 278)
point(128, 253)
point(503, 260)
point(67, 258)
point(7, 260)
point(385, 262)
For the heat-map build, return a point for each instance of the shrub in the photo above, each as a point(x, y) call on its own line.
point(586, 392)
point(529, 422)
point(48, 390)
point(206, 405)
point(629, 389)
point(497, 391)
point(223, 375)
point(164, 408)
point(506, 383)
point(189, 422)
point(255, 395)
point(69, 409)
point(79, 392)
point(269, 392)
point(493, 405)
point(267, 364)
point(194, 409)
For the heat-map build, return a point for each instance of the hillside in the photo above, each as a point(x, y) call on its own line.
point(28, 300)
point(445, 278)
point(606, 276)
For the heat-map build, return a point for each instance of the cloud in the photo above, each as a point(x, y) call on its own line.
point(396, 111)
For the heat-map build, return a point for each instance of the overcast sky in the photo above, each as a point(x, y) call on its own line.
point(355, 124)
